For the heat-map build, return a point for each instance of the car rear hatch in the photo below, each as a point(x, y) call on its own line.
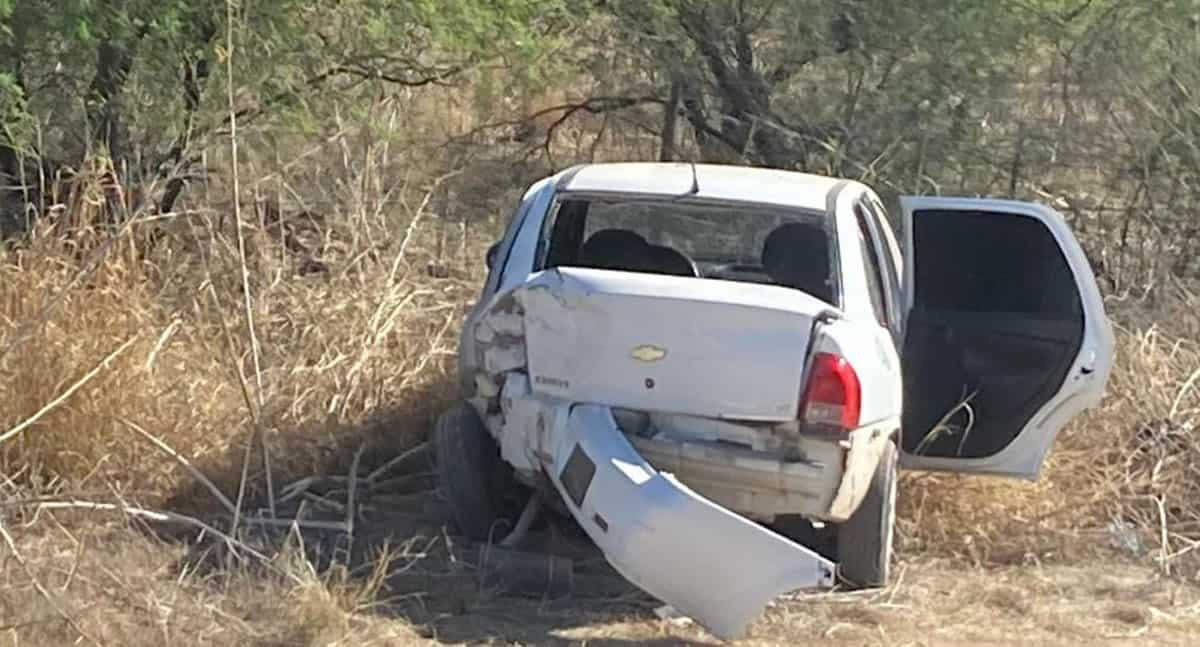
point(650, 342)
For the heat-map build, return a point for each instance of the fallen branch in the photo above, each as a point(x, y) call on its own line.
point(187, 465)
point(299, 487)
point(1164, 536)
point(350, 492)
point(403, 481)
point(309, 497)
point(289, 523)
point(155, 515)
point(382, 469)
point(65, 395)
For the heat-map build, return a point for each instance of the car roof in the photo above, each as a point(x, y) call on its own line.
point(716, 182)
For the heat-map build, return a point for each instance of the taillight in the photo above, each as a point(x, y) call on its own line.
point(833, 395)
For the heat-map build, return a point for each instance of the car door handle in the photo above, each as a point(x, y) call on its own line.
point(1089, 365)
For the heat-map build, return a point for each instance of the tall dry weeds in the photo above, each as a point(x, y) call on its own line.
point(357, 348)
point(357, 300)
point(362, 350)
point(1124, 476)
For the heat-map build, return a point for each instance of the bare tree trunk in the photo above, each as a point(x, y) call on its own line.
point(113, 61)
point(1014, 171)
point(667, 151)
point(194, 78)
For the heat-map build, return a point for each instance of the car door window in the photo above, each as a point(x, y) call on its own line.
point(504, 248)
point(875, 283)
point(889, 262)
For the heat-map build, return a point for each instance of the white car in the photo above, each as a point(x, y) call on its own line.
point(720, 369)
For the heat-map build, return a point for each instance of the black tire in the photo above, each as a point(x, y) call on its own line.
point(864, 541)
point(822, 541)
point(476, 482)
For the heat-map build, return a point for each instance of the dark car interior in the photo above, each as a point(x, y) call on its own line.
point(622, 249)
point(598, 235)
point(996, 321)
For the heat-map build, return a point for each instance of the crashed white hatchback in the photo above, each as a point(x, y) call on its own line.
point(719, 369)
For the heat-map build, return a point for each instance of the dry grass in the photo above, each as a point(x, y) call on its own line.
point(356, 334)
point(1125, 476)
point(372, 337)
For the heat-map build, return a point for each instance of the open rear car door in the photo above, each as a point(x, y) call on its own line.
point(1006, 339)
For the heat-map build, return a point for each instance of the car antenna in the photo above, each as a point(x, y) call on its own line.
point(695, 184)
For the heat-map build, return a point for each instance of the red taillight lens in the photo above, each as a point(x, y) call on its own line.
point(833, 395)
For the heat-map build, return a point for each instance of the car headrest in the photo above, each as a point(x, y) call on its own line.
point(796, 255)
point(614, 249)
point(665, 260)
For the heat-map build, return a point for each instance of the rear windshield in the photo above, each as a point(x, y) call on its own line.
point(730, 241)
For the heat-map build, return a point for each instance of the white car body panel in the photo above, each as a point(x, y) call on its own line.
point(704, 560)
point(859, 338)
point(715, 182)
point(1086, 380)
point(524, 246)
point(649, 342)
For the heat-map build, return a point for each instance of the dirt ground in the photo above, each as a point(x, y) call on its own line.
point(935, 603)
point(122, 584)
point(137, 600)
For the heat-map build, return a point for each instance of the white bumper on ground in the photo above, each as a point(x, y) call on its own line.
point(709, 563)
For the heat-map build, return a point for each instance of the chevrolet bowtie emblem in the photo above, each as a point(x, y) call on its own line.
point(648, 353)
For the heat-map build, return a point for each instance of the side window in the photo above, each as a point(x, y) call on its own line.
point(889, 232)
point(504, 248)
point(871, 261)
point(890, 262)
point(976, 261)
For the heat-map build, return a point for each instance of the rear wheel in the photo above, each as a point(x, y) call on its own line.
point(819, 537)
point(864, 541)
point(477, 483)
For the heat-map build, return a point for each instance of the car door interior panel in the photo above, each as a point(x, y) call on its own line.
point(995, 327)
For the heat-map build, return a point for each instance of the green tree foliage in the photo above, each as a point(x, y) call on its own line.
point(134, 80)
point(819, 85)
point(1094, 99)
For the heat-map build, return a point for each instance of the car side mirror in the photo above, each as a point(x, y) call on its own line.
point(492, 253)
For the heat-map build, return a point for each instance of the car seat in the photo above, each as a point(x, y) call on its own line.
point(796, 255)
point(665, 260)
point(615, 249)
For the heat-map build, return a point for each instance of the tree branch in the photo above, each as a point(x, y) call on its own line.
point(591, 105)
point(363, 71)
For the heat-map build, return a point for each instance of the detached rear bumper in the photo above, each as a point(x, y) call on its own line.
point(716, 566)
